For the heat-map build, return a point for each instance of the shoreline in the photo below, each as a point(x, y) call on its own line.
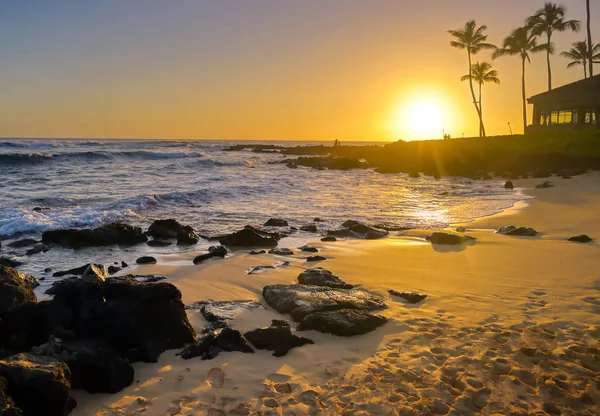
point(459, 352)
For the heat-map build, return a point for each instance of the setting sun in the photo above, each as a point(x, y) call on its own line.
point(421, 118)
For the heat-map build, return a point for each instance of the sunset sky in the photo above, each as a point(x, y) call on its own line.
point(258, 69)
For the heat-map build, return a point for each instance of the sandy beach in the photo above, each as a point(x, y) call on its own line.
point(510, 326)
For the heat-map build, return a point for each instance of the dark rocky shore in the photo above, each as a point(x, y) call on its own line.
point(95, 326)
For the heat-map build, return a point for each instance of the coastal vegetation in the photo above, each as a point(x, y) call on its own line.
point(524, 41)
point(578, 55)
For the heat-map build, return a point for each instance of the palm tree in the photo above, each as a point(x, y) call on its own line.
point(589, 38)
point(550, 19)
point(579, 55)
point(473, 39)
point(481, 73)
point(523, 42)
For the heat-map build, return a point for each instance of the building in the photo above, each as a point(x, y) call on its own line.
point(572, 106)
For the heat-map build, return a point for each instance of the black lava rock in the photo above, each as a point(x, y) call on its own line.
point(277, 338)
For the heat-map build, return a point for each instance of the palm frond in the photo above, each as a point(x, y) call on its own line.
point(574, 63)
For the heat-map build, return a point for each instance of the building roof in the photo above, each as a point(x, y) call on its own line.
point(579, 94)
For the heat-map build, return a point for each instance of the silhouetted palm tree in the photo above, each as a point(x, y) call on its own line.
point(482, 73)
point(550, 19)
point(589, 38)
point(523, 42)
point(473, 39)
point(579, 55)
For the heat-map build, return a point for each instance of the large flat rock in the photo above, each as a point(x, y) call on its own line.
point(301, 300)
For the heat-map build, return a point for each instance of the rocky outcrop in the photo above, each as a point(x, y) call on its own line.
point(77, 271)
point(16, 288)
point(109, 234)
point(517, 231)
point(322, 277)
point(449, 239)
point(342, 322)
point(581, 239)
point(251, 237)
point(277, 338)
point(171, 228)
point(310, 228)
point(302, 300)
point(276, 222)
point(38, 385)
point(410, 297)
point(210, 345)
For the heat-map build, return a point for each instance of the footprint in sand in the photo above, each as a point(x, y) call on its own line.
point(216, 377)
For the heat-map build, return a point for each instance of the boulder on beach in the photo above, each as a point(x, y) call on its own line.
point(301, 300)
point(316, 258)
point(171, 228)
point(544, 185)
point(146, 260)
point(342, 322)
point(210, 345)
point(277, 338)
point(329, 239)
point(257, 252)
point(517, 231)
point(109, 234)
point(309, 249)
point(410, 297)
point(310, 228)
point(95, 366)
point(38, 385)
point(250, 237)
point(364, 231)
point(509, 185)
point(142, 320)
point(449, 239)
point(321, 277)
point(16, 288)
point(281, 251)
point(219, 313)
point(276, 222)
point(581, 239)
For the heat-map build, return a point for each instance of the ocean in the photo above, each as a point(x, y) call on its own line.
point(52, 184)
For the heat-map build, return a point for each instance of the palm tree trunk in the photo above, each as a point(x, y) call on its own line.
point(481, 131)
point(585, 69)
point(481, 110)
point(524, 97)
point(548, 62)
point(589, 36)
